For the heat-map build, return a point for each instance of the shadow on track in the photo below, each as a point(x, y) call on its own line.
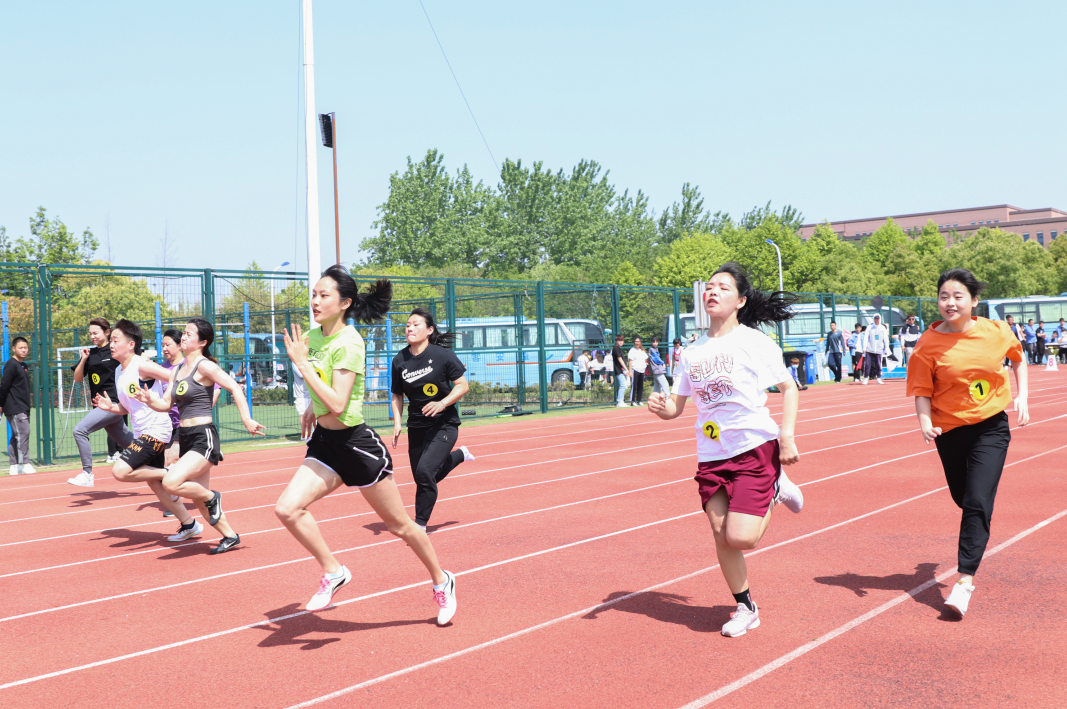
point(860, 585)
point(669, 608)
point(290, 632)
point(138, 540)
point(91, 497)
point(380, 528)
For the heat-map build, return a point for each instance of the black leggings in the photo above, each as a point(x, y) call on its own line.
point(637, 388)
point(973, 458)
point(432, 458)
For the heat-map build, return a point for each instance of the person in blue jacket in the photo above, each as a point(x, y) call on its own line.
point(1031, 340)
point(835, 348)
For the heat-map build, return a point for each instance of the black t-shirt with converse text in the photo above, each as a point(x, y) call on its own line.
point(424, 378)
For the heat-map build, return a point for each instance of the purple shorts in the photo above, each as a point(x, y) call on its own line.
point(750, 479)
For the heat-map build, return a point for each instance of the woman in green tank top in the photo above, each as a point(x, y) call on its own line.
point(342, 448)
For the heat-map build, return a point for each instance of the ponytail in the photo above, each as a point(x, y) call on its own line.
point(206, 333)
point(760, 308)
point(366, 307)
point(442, 339)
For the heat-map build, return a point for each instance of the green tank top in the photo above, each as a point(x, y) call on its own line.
point(344, 350)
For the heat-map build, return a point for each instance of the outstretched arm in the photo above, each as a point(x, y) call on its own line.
point(215, 373)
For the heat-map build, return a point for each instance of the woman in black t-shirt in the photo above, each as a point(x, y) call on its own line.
point(430, 375)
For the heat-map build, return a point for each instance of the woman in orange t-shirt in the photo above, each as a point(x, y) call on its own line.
point(961, 391)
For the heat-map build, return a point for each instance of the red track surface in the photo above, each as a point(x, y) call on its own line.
point(586, 573)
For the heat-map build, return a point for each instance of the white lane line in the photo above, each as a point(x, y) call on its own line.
point(576, 614)
point(841, 630)
point(210, 636)
point(165, 549)
point(342, 551)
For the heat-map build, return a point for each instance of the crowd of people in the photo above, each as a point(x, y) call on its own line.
point(955, 373)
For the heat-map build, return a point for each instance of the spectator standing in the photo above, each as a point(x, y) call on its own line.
point(1062, 342)
point(909, 335)
point(855, 348)
point(15, 403)
point(658, 368)
point(676, 357)
point(638, 359)
point(794, 370)
point(583, 369)
point(1031, 340)
point(835, 349)
point(1039, 346)
point(622, 371)
point(875, 348)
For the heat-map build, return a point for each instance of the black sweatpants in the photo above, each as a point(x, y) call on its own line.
point(432, 458)
point(973, 458)
point(873, 368)
point(637, 388)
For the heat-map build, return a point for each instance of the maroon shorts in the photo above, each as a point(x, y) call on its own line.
point(750, 479)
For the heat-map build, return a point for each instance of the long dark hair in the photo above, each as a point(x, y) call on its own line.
point(175, 336)
point(442, 339)
point(759, 308)
point(963, 277)
point(206, 333)
point(366, 307)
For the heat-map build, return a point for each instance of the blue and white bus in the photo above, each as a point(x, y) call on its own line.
point(491, 349)
point(1039, 307)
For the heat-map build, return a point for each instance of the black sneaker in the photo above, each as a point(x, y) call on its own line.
point(214, 508)
point(226, 544)
point(168, 513)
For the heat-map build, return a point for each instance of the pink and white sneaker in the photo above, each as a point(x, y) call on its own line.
point(743, 621)
point(446, 599)
point(327, 587)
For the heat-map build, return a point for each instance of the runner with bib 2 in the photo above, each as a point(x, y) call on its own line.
point(961, 391)
point(432, 378)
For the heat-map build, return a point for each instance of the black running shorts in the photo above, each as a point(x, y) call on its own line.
point(144, 452)
point(202, 439)
point(356, 454)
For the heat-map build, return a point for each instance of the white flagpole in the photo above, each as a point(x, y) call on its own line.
point(311, 145)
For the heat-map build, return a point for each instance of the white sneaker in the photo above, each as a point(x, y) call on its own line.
point(742, 621)
point(82, 479)
point(446, 600)
point(467, 455)
point(960, 597)
point(14, 470)
point(422, 527)
point(622, 406)
point(328, 587)
point(789, 494)
point(110, 459)
point(880, 381)
point(27, 469)
point(195, 531)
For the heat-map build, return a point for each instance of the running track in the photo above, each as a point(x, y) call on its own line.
point(586, 578)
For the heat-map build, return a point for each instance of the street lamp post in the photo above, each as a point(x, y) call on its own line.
point(781, 287)
point(273, 345)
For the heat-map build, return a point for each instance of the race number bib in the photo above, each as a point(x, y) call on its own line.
point(979, 389)
point(96, 378)
point(183, 387)
point(711, 430)
point(132, 389)
point(429, 389)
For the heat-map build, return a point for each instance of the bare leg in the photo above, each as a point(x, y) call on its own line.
point(734, 532)
point(176, 508)
point(154, 478)
point(190, 478)
point(312, 482)
point(385, 499)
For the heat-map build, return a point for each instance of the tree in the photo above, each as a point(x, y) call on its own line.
point(1058, 251)
point(1009, 267)
point(688, 217)
point(109, 296)
point(51, 242)
point(690, 258)
point(878, 246)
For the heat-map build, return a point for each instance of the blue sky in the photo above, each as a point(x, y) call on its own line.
point(129, 117)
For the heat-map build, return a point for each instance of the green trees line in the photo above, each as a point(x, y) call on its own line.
point(578, 227)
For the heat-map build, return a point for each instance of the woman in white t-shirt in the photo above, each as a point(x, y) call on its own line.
point(740, 448)
point(638, 359)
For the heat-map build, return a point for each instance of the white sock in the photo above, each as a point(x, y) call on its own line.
point(337, 574)
point(441, 587)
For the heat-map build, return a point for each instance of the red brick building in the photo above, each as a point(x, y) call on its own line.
point(1040, 225)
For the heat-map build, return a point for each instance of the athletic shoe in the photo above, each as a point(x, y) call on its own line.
point(327, 587)
point(960, 597)
point(226, 544)
point(742, 621)
point(27, 469)
point(789, 494)
point(14, 470)
point(622, 406)
point(82, 479)
point(112, 458)
point(168, 513)
point(214, 508)
point(880, 381)
point(195, 531)
point(467, 455)
point(446, 600)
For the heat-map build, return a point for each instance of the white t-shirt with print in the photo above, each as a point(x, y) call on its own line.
point(728, 377)
point(638, 359)
point(144, 420)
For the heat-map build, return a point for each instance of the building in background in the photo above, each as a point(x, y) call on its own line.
point(1040, 225)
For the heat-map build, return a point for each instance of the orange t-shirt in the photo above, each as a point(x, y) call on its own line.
point(963, 373)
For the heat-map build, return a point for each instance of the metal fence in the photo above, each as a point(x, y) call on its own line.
point(520, 340)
